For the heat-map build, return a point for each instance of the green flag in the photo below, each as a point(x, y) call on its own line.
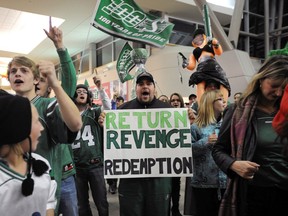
point(86, 83)
point(125, 63)
point(125, 19)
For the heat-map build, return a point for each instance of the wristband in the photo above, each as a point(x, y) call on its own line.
point(61, 49)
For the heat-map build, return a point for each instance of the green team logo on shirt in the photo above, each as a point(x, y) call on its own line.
point(125, 19)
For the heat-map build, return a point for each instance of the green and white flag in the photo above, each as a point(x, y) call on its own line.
point(125, 63)
point(125, 19)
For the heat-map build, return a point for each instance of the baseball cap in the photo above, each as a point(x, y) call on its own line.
point(144, 75)
point(192, 96)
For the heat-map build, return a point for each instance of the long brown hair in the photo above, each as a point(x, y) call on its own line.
point(275, 67)
point(180, 98)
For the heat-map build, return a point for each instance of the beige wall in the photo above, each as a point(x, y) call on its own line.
point(163, 65)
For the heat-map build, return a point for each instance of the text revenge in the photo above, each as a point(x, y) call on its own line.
point(147, 143)
point(148, 139)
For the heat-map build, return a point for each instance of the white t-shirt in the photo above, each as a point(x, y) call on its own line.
point(12, 202)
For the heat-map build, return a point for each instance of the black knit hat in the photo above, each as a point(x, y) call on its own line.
point(15, 118)
point(84, 87)
point(15, 126)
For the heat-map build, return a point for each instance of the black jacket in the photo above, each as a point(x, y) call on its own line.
point(136, 104)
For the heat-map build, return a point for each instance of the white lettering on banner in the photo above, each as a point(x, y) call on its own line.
point(122, 62)
point(133, 18)
point(105, 20)
point(124, 12)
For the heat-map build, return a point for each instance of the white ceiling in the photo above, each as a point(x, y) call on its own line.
point(78, 32)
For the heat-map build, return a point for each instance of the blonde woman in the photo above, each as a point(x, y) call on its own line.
point(248, 148)
point(208, 182)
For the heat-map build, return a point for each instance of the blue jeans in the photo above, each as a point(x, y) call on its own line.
point(68, 201)
point(95, 179)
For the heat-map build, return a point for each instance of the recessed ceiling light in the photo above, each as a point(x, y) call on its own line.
point(21, 31)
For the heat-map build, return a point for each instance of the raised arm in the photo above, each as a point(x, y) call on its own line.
point(106, 105)
point(68, 75)
point(68, 109)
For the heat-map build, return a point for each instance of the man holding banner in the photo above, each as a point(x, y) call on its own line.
point(143, 192)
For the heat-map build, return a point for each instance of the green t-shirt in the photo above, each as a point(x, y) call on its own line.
point(55, 131)
point(268, 153)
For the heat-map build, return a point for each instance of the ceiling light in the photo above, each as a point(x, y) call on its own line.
point(21, 31)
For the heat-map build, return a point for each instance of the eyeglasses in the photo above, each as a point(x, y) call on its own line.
point(81, 91)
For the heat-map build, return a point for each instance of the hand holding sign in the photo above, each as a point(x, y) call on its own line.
point(101, 119)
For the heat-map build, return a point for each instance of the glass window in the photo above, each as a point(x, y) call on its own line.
point(104, 52)
point(182, 32)
point(118, 45)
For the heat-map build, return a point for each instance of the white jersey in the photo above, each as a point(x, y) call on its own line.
point(12, 202)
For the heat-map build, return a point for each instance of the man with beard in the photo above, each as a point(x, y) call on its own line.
point(88, 156)
point(144, 196)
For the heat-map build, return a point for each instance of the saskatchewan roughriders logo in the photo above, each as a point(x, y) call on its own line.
point(131, 17)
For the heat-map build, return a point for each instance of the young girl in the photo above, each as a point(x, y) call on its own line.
point(208, 182)
point(25, 184)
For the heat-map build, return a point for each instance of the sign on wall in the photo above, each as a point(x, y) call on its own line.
point(147, 143)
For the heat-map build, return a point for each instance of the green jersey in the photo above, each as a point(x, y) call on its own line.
point(88, 145)
point(55, 131)
point(68, 83)
point(68, 75)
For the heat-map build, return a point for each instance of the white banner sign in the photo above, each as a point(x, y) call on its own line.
point(147, 143)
